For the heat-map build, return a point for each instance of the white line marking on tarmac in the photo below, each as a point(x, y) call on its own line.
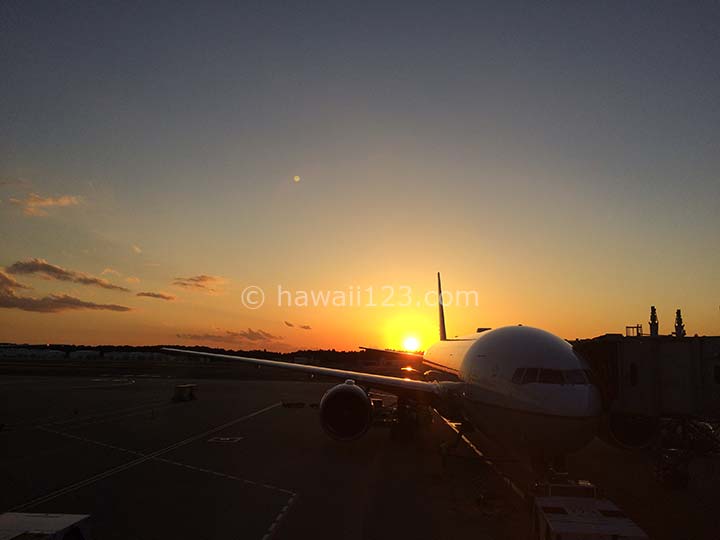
point(273, 526)
point(113, 384)
point(225, 440)
point(99, 418)
point(142, 459)
point(169, 461)
point(271, 530)
point(92, 419)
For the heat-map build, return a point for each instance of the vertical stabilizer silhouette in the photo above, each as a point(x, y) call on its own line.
point(443, 334)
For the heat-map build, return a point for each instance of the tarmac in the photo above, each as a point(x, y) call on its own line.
point(244, 460)
point(248, 459)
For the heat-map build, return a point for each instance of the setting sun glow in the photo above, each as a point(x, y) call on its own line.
point(411, 343)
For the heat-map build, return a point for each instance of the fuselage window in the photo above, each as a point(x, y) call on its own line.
point(551, 376)
point(518, 375)
point(575, 376)
point(530, 375)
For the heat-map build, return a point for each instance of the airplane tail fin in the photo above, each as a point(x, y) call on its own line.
point(443, 334)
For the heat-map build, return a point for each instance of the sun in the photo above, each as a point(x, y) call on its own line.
point(411, 343)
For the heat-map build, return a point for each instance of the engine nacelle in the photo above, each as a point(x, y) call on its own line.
point(345, 412)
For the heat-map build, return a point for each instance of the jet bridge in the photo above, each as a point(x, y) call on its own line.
point(648, 378)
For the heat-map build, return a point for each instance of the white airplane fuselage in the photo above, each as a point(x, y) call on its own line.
point(523, 386)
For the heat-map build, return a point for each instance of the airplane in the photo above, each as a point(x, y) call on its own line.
point(522, 386)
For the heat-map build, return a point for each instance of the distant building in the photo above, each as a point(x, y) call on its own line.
point(84, 354)
point(134, 356)
point(21, 352)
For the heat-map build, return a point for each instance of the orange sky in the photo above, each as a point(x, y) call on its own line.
point(197, 315)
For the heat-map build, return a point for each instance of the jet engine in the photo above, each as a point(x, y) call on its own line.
point(345, 412)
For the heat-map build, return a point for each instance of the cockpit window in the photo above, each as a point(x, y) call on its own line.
point(530, 375)
point(575, 376)
point(518, 375)
point(551, 376)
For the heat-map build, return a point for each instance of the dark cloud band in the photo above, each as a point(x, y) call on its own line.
point(159, 296)
point(51, 271)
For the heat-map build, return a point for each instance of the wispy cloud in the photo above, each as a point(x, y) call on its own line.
point(50, 271)
point(35, 205)
point(109, 271)
point(300, 326)
point(254, 335)
point(201, 282)
point(136, 249)
point(53, 303)
point(132, 279)
point(160, 296)
point(8, 283)
point(229, 336)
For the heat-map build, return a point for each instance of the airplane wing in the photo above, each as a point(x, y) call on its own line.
point(398, 354)
point(421, 390)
